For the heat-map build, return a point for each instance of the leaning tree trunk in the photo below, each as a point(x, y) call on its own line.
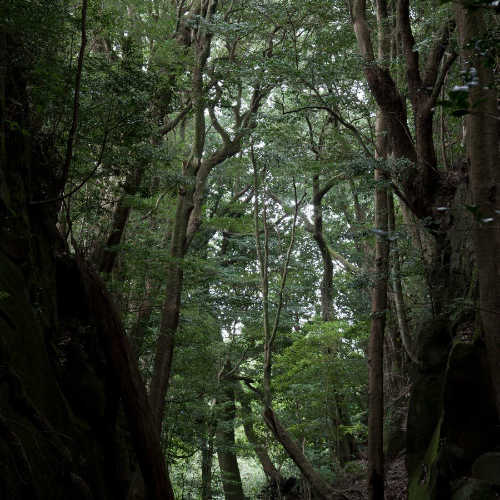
point(30, 193)
point(268, 467)
point(106, 254)
point(294, 451)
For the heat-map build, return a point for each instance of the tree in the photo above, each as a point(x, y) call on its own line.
point(482, 133)
point(195, 170)
point(423, 187)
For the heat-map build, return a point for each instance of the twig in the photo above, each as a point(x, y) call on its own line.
point(77, 188)
point(284, 273)
point(76, 100)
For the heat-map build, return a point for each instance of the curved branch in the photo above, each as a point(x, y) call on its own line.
point(173, 123)
point(436, 55)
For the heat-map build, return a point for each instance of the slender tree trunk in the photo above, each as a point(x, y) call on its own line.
point(106, 254)
point(171, 306)
point(376, 344)
point(138, 330)
point(399, 304)
point(326, 289)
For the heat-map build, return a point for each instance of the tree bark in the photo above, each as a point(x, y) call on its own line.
point(207, 453)
point(376, 343)
point(260, 450)
point(483, 148)
point(319, 485)
point(226, 444)
point(106, 255)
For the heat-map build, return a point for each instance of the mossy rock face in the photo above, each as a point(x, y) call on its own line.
point(424, 413)
point(54, 443)
point(427, 481)
point(466, 428)
point(475, 489)
point(487, 468)
point(395, 433)
point(433, 344)
point(470, 419)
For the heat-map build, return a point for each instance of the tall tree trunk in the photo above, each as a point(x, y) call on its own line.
point(399, 304)
point(326, 288)
point(207, 453)
point(187, 220)
point(226, 444)
point(379, 292)
point(483, 148)
point(376, 344)
point(171, 306)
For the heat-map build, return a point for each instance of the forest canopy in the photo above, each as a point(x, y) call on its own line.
point(249, 249)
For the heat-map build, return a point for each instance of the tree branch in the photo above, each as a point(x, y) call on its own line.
point(357, 134)
point(171, 124)
point(411, 54)
point(76, 100)
point(309, 227)
point(438, 85)
point(82, 183)
point(436, 55)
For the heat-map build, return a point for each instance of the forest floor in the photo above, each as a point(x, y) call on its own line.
point(396, 480)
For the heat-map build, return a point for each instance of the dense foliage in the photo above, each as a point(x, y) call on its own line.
point(216, 163)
